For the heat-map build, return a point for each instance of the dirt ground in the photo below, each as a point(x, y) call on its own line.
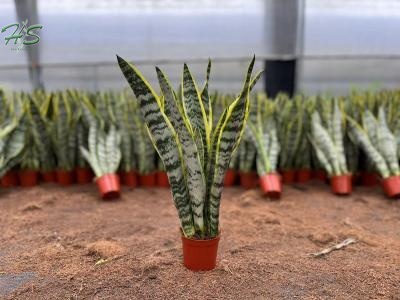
point(65, 243)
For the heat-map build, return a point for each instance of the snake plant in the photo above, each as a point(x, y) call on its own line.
point(103, 152)
point(328, 141)
point(265, 137)
point(12, 143)
point(378, 142)
point(39, 154)
point(289, 125)
point(63, 126)
point(196, 154)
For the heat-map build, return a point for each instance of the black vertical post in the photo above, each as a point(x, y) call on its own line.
point(280, 76)
point(281, 30)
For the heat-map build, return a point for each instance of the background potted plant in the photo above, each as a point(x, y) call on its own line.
point(247, 163)
point(12, 144)
point(190, 147)
point(289, 126)
point(127, 123)
point(265, 138)
point(63, 136)
point(302, 160)
point(328, 142)
point(380, 145)
point(104, 156)
point(36, 110)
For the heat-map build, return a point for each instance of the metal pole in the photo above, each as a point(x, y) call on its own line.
point(27, 10)
point(281, 31)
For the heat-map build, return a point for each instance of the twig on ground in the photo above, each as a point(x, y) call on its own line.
point(339, 246)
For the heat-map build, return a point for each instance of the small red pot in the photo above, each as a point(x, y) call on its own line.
point(65, 177)
point(303, 175)
point(129, 179)
point(271, 185)
point(28, 178)
point(341, 185)
point(148, 180)
point(288, 176)
point(162, 179)
point(369, 179)
point(391, 186)
point(49, 176)
point(109, 186)
point(10, 179)
point(230, 177)
point(249, 180)
point(200, 255)
point(320, 175)
point(83, 175)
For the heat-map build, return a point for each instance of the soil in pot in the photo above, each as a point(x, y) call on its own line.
point(10, 179)
point(230, 177)
point(129, 179)
point(271, 185)
point(249, 180)
point(162, 179)
point(391, 186)
point(109, 186)
point(342, 184)
point(65, 177)
point(83, 175)
point(28, 178)
point(288, 176)
point(148, 180)
point(200, 255)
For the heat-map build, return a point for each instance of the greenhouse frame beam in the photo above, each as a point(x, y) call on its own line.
point(282, 23)
point(27, 10)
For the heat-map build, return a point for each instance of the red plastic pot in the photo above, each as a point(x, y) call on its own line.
point(10, 179)
point(271, 185)
point(28, 178)
point(230, 177)
point(248, 180)
point(288, 176)
point(391, 186)
point(49, 176)
point(341, 185)
point(83, 175)
point(369, 179)
point(148, 180)
point(109, 186)
point(320, 175)
point(162, 179)
point(129, 179)
point(303, 175)
point(65, 177)
point(200, 255)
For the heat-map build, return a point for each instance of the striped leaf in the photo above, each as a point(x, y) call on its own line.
point(227, 141)
point(365, 142)
point(165, 140)
point(191, 155)
point(194, 108)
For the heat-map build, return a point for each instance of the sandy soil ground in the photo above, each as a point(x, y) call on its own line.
point(64, 243)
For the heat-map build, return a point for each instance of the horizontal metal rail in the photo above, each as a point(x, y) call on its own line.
point(168, 61)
